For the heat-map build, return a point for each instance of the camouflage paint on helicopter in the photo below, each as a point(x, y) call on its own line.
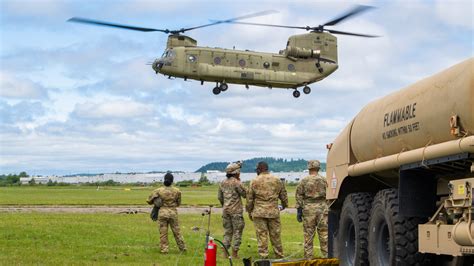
point(291, 68)
point(307, 58)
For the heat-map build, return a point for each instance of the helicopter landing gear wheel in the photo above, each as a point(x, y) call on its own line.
point(296, 94)
point(224, 86)
point(306, 90)
point(216, 90)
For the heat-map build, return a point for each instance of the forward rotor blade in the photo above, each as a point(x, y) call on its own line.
point(351, 34)
point(258, 14)
point(114, 25)
point(356, 10)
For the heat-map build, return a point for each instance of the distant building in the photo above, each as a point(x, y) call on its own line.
point(37, 179)
point(213, 171)
point(147, 178)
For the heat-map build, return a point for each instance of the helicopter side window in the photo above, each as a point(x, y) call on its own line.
point(242, 62)
point(291, 67)
point(217, 60)
point(192, 58)
point(266, 65)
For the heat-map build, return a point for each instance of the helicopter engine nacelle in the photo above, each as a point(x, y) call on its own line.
point(313, 45)
point(299, 52)
point(176, 40)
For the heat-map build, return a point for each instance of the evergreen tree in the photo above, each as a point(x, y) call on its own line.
point(275, 165)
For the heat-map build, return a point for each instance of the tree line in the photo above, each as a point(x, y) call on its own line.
point(12, 179)
point(275, 165)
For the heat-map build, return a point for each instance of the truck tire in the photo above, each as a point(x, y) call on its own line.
point(393, 239)
point(352, 234)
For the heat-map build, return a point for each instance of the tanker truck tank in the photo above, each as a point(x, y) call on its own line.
point(420, 115)
point(394, 168)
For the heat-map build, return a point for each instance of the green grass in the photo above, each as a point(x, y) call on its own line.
point(78, 239)
point(115, 195)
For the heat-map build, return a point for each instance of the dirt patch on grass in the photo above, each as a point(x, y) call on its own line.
point(105, 209)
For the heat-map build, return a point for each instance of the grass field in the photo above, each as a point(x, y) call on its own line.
point(114, 195)
point(78, 239)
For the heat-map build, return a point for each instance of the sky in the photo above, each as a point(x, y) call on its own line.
point(76, 98)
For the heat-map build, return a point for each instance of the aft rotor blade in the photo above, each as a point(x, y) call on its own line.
point(351, 34)
point(258, 14)
point(356, 10)
point(270, 25)
point(114, 25)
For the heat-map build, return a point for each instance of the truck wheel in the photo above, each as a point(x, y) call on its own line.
point(393, 239)
point(353, 225)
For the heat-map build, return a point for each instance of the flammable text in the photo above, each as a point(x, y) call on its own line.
point(399, 115)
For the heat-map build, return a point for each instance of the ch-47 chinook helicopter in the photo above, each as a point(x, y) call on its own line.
point(308, 58)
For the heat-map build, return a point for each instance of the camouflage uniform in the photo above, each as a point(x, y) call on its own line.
point(168, 215)
point(311, 197)
point(229, 195)
point(262, 205)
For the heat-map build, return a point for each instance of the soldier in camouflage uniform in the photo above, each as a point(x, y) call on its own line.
point(230, 194)
point(262, 205)
point(312, 209)
point(168, 215)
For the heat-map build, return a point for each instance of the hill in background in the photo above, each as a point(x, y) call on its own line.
point(275, 165)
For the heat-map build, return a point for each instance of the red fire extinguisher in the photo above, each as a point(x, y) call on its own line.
point(210, 254)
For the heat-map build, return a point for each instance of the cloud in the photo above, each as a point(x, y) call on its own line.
point(23, 111)
point(177, 113)
point(331, 124)
point(228, 125)
point(108, 128)
point(269, 112)
point(34, 7)
point(163, 8)
point(112, 109)
point(283, 130)
point(15, 87)
point(457, 13)
point(105, 109)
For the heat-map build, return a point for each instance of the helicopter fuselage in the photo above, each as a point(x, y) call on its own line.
point(307, 58)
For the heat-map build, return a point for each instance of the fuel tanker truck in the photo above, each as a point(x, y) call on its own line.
point(401, 176)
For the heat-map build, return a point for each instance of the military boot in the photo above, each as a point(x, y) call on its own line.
point(225, 255)
point(235, 254)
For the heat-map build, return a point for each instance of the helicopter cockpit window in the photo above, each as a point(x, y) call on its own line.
point(168, 53)
point(192, 58)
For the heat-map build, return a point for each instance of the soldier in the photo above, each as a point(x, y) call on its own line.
point(312, 209)
point(262, 205)
point(230, 194)
point(168, 214)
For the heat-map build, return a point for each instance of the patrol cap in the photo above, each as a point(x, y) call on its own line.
point(313, 164)
point(233, 168)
